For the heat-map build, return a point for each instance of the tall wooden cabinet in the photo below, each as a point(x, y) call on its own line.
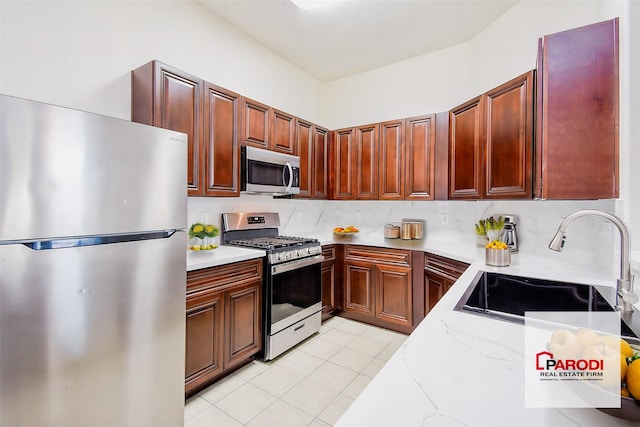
point(508, 141)
point(392, 160)
point(365, 169)
point(221, 149)
point(491, 143)
point(577, 147)
point(420, 158)
point(166, 97)
point(342, 161)
point(312, 146)
point(465, 147)
point(223, 321)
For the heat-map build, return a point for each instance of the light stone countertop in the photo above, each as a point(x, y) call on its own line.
point(455, 368)
point(460, 369)
point(197, 260)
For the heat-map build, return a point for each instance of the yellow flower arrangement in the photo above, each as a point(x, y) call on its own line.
point(201, 230)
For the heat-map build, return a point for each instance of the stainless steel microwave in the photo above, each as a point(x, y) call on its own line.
point(265, 171)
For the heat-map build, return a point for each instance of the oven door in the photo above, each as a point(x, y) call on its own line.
point(294, 292)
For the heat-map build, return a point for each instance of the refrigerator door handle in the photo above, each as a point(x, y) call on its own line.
point(73, 242)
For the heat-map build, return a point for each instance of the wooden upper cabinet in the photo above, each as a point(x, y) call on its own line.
point(320, 179)
point(419, 169)
point(255, 124)
point(283, 131)
point(304, 140)
point(221, 128)
point(577, 113)
point(343, 148)
point(166, 97)
point(509, 139)
point(392, 155)
point(491, 143)
point(466, 161)
point(366, 162)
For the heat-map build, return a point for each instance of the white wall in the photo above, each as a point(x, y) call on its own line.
point(79, 54)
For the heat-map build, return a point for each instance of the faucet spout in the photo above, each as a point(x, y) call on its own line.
point(625, 279)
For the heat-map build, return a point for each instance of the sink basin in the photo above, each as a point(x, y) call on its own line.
point(507, 297)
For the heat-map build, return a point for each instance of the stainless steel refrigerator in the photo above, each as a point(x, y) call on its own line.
point(93, 212)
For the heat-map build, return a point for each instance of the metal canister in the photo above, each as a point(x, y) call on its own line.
point(405, 231)
point(391, 231)
point(417, 230)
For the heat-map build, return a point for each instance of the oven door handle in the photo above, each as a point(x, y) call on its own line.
point(293, 265)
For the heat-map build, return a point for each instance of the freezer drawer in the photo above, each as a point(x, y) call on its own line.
point(93, 336)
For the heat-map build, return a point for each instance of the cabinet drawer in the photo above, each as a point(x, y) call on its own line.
point(378, 255)
point(224, 276)
point(329, 253)
point(446, 267)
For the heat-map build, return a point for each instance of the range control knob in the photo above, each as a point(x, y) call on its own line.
point(303, 252)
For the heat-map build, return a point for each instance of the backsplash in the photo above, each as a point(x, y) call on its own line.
point(589, 240)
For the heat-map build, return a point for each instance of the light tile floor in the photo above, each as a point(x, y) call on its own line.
point(312, 384)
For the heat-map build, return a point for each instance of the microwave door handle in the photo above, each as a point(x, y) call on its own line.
point(288, 165)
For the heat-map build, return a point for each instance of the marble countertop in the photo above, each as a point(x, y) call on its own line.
point(220, 256)
point(455, 368)
point(462, 369)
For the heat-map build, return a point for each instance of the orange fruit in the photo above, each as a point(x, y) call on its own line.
point(633, 378)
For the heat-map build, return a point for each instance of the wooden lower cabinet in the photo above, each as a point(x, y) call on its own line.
point(440, 275)
point(204, 340)
point(223, 323)
point(378, 287)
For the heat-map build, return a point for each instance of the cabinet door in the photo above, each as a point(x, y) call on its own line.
point(305, 149)
point(343, 161)
point(328, 287)
point(166, 97)
point(243, 311)
point(466, 135)
point(577, 114)
point(358, 288)
point(221, 126)
point(365, 168)
point(204, 337)
point(255, 124)
point(435, 287)
point(320, 178)
point(509, 139)
point(392, 155)
point(419, 178)
point(283, 131)
point(394, 295)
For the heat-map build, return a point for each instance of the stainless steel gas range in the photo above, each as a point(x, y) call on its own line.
point(292, 280)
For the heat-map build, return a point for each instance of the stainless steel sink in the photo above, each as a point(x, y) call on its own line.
point(507, 297)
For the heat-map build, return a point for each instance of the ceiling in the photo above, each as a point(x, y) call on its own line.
point(347, 37)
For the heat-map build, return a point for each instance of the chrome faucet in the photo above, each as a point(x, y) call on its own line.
point(625, 281)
